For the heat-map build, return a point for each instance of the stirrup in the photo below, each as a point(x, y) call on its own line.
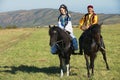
point(103, 48)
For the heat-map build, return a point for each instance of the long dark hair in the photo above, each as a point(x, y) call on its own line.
point(64, 7)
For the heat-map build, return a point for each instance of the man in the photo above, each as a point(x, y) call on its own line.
point(87, 20)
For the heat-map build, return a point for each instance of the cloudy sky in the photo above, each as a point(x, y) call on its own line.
point(100, 6)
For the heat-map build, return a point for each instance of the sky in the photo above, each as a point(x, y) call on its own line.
point(100, 6)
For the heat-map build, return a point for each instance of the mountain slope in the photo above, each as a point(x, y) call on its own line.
point(46, 16)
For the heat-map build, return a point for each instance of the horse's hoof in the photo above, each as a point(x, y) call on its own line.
point(108, 68)
point(80, 53)
point(88, 76)
point(90, 67)
point(67, 74)
point(61, 76)
point(92, 74)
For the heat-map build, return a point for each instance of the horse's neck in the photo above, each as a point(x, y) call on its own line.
point(64, 36)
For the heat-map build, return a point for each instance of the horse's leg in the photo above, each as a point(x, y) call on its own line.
point(102, 43)
point(61, 73)
point(61, 67)
point(68, 69)
point(80, 45)
point(92, 58)
point(87, 64)
point(105, 58)
point(68, 65)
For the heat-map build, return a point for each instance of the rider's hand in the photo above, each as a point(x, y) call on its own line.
point(83, 28)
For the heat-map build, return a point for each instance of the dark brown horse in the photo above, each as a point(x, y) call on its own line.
point(91, 41)
point(62, 41)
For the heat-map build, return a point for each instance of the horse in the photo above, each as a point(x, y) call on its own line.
point(90, 46)
point(62, 39)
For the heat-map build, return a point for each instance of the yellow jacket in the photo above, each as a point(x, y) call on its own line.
point(88, 20)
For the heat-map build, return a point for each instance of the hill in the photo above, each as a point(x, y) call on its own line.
point(42, 17)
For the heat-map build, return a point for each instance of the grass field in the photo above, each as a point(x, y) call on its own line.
point(25, 55)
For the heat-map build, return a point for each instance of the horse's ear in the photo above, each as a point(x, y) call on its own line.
point(49, 26)
point(54, 25)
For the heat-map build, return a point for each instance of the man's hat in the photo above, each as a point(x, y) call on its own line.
point(90, 6)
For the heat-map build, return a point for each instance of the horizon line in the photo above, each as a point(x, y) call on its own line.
point(49, 8)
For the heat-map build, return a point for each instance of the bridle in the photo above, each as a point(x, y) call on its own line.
point(58, 46)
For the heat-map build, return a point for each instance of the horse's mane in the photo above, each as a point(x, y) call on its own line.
point(61, 31)
point(96, 28)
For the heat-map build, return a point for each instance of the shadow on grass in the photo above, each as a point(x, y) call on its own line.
point(30, 69)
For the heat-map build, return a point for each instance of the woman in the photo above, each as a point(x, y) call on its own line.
point(64, 22)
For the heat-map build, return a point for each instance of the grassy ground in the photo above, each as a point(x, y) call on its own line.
point(25, 55)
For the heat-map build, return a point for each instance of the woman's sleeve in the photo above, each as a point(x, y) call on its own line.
point(68, 27)
point(59, 23)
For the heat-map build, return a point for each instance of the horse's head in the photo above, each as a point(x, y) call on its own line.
point(58, 39)
point(53, 33)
